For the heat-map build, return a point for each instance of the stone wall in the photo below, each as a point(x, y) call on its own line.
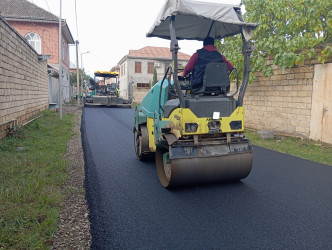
point(282, 102)
point(293, 101)
point(139, 94)
point(23, 80)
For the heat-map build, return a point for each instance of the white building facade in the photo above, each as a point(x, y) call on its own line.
point(137, 69)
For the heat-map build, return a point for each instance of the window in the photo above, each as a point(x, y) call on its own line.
point(143, 85)
point(34, 40)
point(150, 67)
point(138, 67)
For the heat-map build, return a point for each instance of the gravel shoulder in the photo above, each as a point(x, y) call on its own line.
point(74, 226)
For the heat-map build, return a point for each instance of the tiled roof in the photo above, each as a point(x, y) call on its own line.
point(156, 52)
point(25, 11)
point(22, 9)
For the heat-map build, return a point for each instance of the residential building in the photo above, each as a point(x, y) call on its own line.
point(137, 69)
point(41, 29)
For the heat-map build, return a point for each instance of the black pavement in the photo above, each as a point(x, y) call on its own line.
point(285, 203)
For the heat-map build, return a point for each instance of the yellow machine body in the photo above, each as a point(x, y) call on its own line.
point(180, 117)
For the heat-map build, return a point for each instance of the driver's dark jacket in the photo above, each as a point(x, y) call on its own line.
point(204, 57)
point(194, 58)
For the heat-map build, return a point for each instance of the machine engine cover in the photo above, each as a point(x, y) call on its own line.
point(205, 106)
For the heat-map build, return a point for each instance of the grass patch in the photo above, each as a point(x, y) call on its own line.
point(304, 148)
point(134, 105)
point(32, 171)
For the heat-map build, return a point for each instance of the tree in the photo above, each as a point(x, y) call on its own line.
point(73, 78)
point(288, 33)
point(91, 82)
point(155, 76)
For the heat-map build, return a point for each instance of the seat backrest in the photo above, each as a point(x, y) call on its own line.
point(215, 79)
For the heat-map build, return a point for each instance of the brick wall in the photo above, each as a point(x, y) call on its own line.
point(23, 80)
point(48, 33)
point(282, 103)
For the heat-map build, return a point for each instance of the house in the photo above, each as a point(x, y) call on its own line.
point(113, 80)
point(41, 29)
point(137, 69)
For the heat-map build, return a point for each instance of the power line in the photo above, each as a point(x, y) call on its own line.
point(48, 6)
point(102, 60)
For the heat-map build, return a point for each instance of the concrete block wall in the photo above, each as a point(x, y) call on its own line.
point(23, 80)
point(282, 103)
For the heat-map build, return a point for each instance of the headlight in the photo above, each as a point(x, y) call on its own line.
point(191, 127)
point(235, 125)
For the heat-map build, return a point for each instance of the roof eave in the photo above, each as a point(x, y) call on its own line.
point(68, 35)
point(154, 58)
point(123, 59)
point(24, 19)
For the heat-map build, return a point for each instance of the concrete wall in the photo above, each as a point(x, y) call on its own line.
point(123, 80)
point(53, 89)
point(321, 111)
point(23, 79)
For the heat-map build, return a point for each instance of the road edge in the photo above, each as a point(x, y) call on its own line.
point(74, 226)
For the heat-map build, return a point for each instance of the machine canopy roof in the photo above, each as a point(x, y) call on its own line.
point(193, 20)
point(107, 74)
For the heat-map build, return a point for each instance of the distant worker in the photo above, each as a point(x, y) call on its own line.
point(199, 60)
point(117, 91)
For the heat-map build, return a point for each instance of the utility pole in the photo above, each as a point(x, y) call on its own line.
point(77, 75)
point(82, 78)
point(60, 62)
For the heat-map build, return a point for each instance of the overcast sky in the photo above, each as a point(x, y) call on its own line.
point(109, 29)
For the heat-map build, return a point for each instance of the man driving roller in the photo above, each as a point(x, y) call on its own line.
point(199, 60)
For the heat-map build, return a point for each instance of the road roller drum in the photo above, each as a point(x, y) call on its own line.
point(185, 165)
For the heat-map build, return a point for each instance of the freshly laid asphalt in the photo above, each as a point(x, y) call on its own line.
point(285, 202)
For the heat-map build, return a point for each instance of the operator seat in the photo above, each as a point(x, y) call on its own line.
point(211, 97)
point(215, 79)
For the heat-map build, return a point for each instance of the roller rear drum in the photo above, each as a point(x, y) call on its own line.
point(199, 169)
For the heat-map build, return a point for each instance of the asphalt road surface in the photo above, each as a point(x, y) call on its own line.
point(285, 203)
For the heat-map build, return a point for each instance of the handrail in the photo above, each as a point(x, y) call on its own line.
point(237, 84)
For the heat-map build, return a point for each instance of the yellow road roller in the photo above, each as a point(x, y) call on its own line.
point(196, 134)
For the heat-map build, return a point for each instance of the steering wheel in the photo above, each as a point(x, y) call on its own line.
point(172, 91)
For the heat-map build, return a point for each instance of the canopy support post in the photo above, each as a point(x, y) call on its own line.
point(210, 29)
point(174, 49)
point(246, 51)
